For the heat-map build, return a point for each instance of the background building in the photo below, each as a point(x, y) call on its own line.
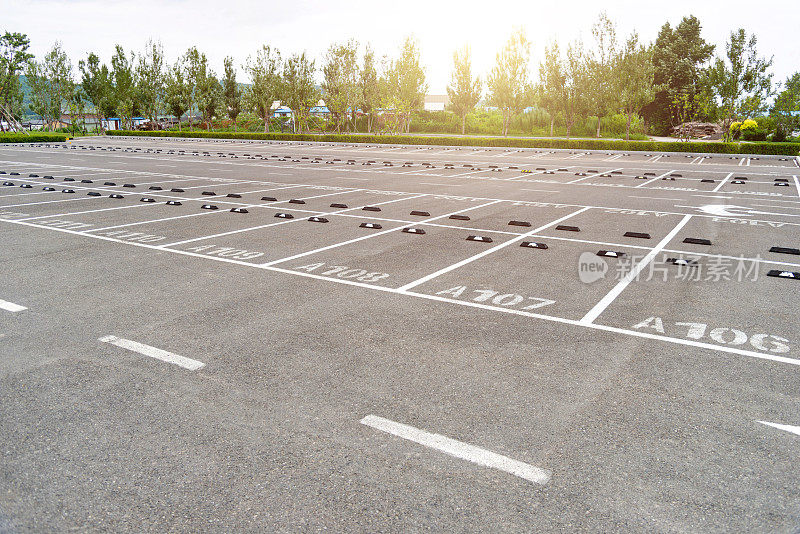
point(436, 102)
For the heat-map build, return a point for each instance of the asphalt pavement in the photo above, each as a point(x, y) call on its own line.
point(227, 336)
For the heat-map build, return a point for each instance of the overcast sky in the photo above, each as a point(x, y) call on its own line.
point(239, 27)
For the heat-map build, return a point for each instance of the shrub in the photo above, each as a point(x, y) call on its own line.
point(750, 131)
point(748, 125)
point(785, 149)
point(735, 129)
point(754, 134)
point(36, 137)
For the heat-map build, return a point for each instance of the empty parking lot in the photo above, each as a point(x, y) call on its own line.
point(238, 335)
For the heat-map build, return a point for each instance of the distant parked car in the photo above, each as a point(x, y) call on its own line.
point(150, 126)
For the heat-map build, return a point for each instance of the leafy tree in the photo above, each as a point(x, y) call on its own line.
point(600, 68)
point(195, 65)
point(369, 86)
point(231, 91)
point(464, 90)
point(680, 57)
point(202, 85)
point(573, 99)
point(150, 80)
point(552, 82)
point(687, 107)
point(124, 92)
point(633, 79)
point(391, 119)
point(508, 82)
point(787, 106)
point(404, 84)
point(77, 111)
point(743, 83)
point(176, 92)
point(299, 89)
point(51, 84)
point(340, 85)
point(14, 58)
point(265, 88)
point(209, 96)
point(97, 86)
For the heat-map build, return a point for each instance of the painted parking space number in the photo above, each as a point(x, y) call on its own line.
point(721, 335)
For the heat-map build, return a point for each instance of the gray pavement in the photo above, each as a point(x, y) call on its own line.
point(165, 367)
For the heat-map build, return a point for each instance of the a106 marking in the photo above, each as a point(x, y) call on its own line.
point(721, 335)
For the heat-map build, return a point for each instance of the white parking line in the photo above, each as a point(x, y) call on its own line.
point(606, 301)
point(152, 352)
point(487, 251)
point(573, 322)
point(595, 175)
point(62, 200)
point(73, 213)
point(466, 173)
point(788, 428)
point(654, 179)
point(369, 236)
point(797, 185)
point(722, 183)
point(459, 449)
point(204, 199)
point(657, 198)
point(286, 221)
point(10, 306)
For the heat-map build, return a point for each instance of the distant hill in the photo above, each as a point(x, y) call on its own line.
point(26, 97)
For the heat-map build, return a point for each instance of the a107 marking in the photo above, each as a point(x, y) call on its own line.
point(495, 298)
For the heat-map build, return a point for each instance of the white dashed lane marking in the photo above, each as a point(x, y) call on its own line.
point(459, 449)
point(152, 352)
point(10, 306)
point(788, 428)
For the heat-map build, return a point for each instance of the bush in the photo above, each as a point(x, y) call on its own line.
point(767, 123)
point(754, 135)
point(750, 131)
point(784, 149)
point(36, 137)
point(735, 129)
point(749, 125)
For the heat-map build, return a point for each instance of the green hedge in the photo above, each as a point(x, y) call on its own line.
point(783, 149)
point(14, 137)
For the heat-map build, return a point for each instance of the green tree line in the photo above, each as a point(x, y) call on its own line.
point(653, 87)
